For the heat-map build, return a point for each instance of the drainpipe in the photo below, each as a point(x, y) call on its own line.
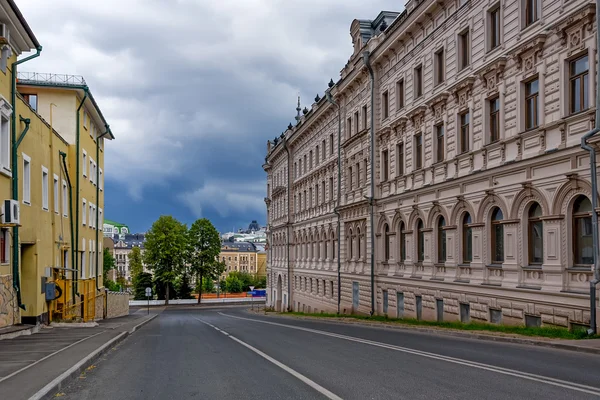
point(366, 56)
point(592, 151)
point(15, 171)
point(63, 155)
point(339, 196)
point(98, 197)
point(77, 188)
point(289, 299)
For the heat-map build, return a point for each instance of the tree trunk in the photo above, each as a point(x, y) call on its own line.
point(200, 291)
point(167, 295)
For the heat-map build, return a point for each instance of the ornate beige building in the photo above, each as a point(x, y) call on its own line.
point(482, 195)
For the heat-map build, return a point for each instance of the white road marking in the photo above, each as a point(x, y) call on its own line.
point(46, 357)
point(284, 367)
point(505, 371)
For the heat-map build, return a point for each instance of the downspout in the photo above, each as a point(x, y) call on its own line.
point(592, 151)
point(366, 56)
point(63, 155)
point(289, 299)
point(98, 197)
point(15, 171)
point(77, 188)
point(339, 196)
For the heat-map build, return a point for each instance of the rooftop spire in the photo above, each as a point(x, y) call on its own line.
point(298, 109)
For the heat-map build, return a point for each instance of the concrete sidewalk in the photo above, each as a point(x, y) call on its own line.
point(36, 366)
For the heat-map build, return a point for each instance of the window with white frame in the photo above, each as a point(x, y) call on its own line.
point(4, 246)
point(101, 178)
point(26, 179)
point(464, 50)
point(5, 143)
point(100, 218)
point(45, 188)
point(55, 191)
point(64, 198)
point(85, 120)
point(494, 27)
point(91, 216)
point(91, 170)
point(84, 163)
point(84, 212)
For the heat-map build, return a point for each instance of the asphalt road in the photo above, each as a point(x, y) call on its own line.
point(227, 353)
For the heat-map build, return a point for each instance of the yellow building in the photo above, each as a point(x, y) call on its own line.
point(51, 187)
point(243, 257)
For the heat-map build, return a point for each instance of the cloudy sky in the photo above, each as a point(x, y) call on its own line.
point(193, 89)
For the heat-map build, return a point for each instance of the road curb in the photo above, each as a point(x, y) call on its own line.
point(466, 335)
point(48, 391)
point(22, 332)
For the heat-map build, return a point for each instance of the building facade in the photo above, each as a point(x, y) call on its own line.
point(112, 228)
point(243, 257)
point(123, 244)
point(40, 225)
point(480, 191)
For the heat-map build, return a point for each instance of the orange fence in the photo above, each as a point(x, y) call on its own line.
point(222, 295)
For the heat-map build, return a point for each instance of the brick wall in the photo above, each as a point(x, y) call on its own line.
point(117, 304)
point(9, 312)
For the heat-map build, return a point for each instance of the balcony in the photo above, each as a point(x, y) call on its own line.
point(41, 79)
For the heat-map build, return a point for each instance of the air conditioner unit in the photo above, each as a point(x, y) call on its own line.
point(4, 34)
point(12, 212)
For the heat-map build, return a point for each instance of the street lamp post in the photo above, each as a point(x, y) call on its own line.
point(252, 297)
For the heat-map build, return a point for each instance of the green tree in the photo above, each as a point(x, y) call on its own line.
point(135, 262)
point(165, 251)
point(161, 288)
point(208, 285)
point(184, 290)
point(260, 282)
point(108, 263)
point(233, 284)
point(204, 249)
point(142, 281)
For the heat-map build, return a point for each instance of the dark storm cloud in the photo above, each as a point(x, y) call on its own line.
point(194, 88)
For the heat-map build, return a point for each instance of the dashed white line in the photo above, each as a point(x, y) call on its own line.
point(284, 367)
point(505, 371)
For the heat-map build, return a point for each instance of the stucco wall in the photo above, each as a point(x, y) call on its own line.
point(8, 304)
point(117, 304)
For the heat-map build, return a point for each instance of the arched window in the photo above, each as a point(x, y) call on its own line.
point(386, 242)
point(402, 239)
point(497, 237)
point(420, 242)
point(467, 239)
point(349, 241)
point(535, 233)
point(441, 237)
point(359, 248)
point(583, 250)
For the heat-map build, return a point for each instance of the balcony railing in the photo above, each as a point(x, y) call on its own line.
point(50, 79)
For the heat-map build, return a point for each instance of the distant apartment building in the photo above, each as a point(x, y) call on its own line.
point(123, 245)
point(474, 200)
point(243, 257)
point(112, 228)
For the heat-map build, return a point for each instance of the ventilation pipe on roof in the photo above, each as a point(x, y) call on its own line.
point(594, 179)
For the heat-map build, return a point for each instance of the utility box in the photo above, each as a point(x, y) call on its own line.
point(50, 291)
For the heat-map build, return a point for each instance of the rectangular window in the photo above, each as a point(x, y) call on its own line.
point(349, 128)
point(26, 179)
point(91, 216)
point(464, 50)
point(84, 162)
point(439, 66)
point(4, 246)
point(31, 99)
point(531, 104)
point(400, 94)
point(92, 170)
point(364, 114)
point(84, 212)
point(419, 151)
point(494, 108)
point(439, 135)
point(531, 12)
point(400, 159)
point(494, 27)
point(55, 191)
point(5, 143)
point(331, 144)
point(100, 218)
point(578, 77)
point(349, 180)
point(385, 105)
point(418, 81)
point(317, 155)
point(323, 192)
point(322, 150)
point(100, 180)
point(64, 198)
point(365, 167)
point(85, 120)
point(330, 188)
point(45, 188)
point(464, 132)
point(358, 175)
point(356, 121)
point(310, 160)
point(384, 166)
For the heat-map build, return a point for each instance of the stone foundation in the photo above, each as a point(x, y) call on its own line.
point(9, 310)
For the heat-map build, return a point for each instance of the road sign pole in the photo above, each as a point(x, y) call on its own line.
point(148, 295)
point(148, 304)
point(252, 297)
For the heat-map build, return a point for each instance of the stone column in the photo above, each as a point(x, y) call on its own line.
point(510, 267)
point(478, 262)
point(553, 273)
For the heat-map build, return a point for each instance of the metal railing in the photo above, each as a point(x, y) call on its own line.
point(50, 79)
